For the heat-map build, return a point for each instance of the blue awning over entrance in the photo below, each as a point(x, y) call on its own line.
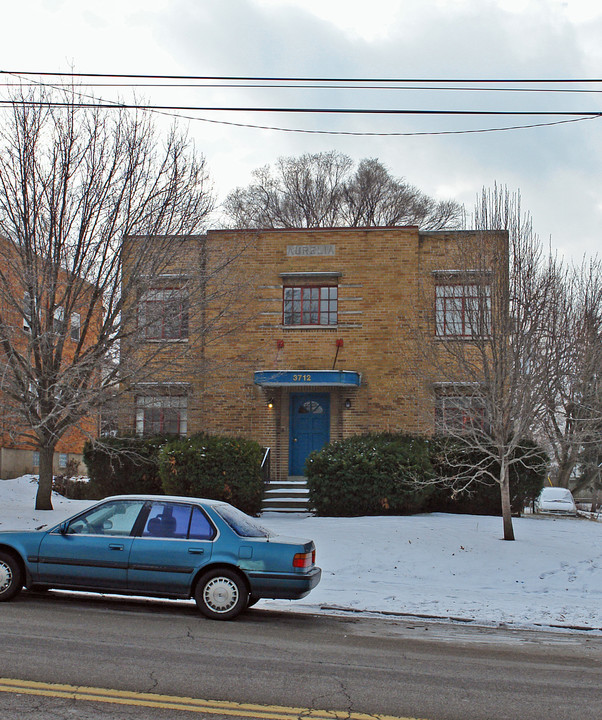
point(307, 378)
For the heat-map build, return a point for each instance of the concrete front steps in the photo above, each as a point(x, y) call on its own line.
point(289, 495)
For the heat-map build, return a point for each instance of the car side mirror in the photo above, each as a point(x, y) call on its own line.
point(63, 528)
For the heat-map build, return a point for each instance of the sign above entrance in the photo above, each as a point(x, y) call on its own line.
point(307, 378)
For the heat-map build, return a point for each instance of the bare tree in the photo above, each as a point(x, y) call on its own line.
point(570, 352)
point(488, 317)
point(372, 197)
point(324, 190)
point(73, 183)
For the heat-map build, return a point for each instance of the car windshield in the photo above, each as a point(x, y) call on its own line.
point(241, 524)
point(553, 493)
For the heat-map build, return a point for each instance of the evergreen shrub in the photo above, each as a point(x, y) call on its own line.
point(527, 477)
point(215, 467)
point(374, 474)
point(124, 465)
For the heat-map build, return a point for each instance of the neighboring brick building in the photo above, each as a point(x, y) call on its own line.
point(18, 451)
point(320, 338)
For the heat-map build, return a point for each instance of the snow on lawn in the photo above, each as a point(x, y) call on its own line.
point(436, 565)
point(457, 566)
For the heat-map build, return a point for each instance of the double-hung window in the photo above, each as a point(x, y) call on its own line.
point(58, 324)
point(162, 415)
point(459, 413)
point(76, 323)
point(28, 310)
point(163, 314)
point(310, 305)
point(462, 310)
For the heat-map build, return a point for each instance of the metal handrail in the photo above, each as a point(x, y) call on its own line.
point(265, 465)
point(266, 457)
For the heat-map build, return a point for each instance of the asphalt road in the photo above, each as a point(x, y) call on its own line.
point(163, 660)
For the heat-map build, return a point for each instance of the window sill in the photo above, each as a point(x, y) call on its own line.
point(167, 341)
point(460, 338)
point(309, 327)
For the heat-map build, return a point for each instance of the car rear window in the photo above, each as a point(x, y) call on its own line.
point(242, 524)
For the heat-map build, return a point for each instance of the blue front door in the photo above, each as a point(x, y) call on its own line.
point(309, 427)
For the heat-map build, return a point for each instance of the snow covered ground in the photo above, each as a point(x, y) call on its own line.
point(436, 565)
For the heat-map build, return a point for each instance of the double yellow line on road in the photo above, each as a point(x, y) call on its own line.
point(171, 702)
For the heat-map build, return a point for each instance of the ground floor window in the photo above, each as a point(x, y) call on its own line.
point(162, 414)
point(455, 413)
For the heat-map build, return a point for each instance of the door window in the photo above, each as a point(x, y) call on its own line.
point(115, 518)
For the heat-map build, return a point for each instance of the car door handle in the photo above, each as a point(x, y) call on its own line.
point(114, 546)
point(196, 551)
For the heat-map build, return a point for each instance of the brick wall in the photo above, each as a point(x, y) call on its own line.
point(385, 309)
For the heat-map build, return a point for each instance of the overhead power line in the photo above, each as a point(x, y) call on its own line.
point(301, 79)
point(295, 110)
point(294, 83)
point(290, 86)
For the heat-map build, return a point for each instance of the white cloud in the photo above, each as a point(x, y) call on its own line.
point(558, 169)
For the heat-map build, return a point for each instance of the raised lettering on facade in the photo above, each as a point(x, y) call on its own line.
point(309, 250)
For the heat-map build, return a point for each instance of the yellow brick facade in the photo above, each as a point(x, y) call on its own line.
point(252, 379)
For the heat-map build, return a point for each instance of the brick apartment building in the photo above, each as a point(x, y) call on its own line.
point(305, 336)
point(18, 452)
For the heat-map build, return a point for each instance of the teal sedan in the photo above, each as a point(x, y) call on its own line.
point(161, 546)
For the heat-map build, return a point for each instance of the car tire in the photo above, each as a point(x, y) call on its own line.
point(11, 580)
point(221, 594)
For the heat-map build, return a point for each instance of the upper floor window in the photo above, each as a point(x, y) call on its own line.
point(163, 314)
point(310, 305)
point(76, 322)
point(58, 324)
point(162, 415)
point(462, 310)
point(28, 311)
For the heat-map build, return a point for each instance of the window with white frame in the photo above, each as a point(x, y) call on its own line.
point(27, 311)
point(462, 310)
point(58, 324)
point(163, 314)
point(310, 305)
point(162, 415)
point(459, 412)
point(75, 326)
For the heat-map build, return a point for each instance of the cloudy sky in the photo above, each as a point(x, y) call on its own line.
point(557, 168)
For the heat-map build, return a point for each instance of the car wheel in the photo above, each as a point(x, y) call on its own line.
point(221, 594)
point(10, 577)
point(253, 599)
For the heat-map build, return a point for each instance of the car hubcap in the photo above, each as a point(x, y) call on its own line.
point(6, 576)
point(221, 594)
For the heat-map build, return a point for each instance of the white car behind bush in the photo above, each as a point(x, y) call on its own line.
point(556, 500)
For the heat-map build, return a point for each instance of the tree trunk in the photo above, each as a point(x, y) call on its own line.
point(506, 509)
point(564, 472)
point(44, 494)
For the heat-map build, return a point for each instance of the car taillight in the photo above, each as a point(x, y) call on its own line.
point(304, 560)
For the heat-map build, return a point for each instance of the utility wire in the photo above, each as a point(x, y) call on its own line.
point(305, 79)
point(195, 118)
point(187, 86)
point(295, 110)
